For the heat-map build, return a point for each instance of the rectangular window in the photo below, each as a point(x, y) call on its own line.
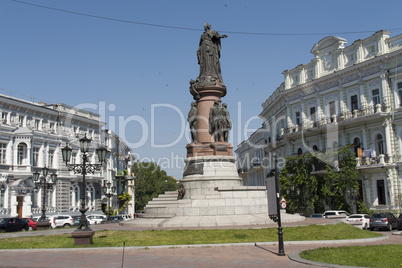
point(332, 110)
point(2, 190)
point(354, 103)
point(50, 159)
point(21, 154)
point(20, 120)
point(37, 124)
point(312, 114)
point(400, 93)
point(298, 120)
point(35, 158)
point(52, 127)
point(3, 148)
point(4, 116)
point(376, 98)
point(351, 56)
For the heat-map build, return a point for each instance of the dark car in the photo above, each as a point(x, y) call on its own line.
point(117, 218)
point(384, 220)
point(76, 220)
point(31, 223)
point(399, 220)
point(13, 225)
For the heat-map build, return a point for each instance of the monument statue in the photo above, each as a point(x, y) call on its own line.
point(192, 120)
point(208, 55)
point(226, 123)
point(215, 125)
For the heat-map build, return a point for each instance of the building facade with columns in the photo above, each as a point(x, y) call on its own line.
point(31, 137)
point(345, 95)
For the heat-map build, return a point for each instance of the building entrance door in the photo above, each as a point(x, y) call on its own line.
point(381, 192)
point(20, 200)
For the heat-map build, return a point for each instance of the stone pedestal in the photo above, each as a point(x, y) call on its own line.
point(83, 237)
point(44, 225)
point(204, 174)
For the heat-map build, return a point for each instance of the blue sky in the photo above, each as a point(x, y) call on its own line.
point(136, 58)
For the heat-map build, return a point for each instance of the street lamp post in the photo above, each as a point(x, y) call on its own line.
point(109, 192)
point(46, 186)
point(274, 209)
point(84, 169)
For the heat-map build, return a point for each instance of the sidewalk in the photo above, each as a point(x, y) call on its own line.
point(230, 255)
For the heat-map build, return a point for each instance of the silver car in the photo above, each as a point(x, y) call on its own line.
point(384, 220)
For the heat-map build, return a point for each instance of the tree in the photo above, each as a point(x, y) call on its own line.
point(317, 188)
point(150, 181)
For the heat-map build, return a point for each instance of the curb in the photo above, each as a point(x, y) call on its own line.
point(364, 240)
point(294, 256)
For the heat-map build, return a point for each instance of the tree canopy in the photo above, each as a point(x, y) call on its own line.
point(314, 179)
point(150, 181)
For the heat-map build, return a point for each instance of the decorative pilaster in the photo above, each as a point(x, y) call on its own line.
point(362, 96)
point(384, 91)
point(387, 127)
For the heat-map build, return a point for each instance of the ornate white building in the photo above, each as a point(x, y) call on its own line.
point(345, 95)
point(31, 137)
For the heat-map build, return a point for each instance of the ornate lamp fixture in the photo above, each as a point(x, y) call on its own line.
point(84, 169)
point(46, 184)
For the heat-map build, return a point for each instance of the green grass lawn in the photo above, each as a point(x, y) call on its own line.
point(108, 238)
point(364, 256)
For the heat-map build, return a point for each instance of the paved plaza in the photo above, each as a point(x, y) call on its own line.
point(228, 255)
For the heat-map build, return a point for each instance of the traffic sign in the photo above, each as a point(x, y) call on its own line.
point(283, 200)
point(283, 205)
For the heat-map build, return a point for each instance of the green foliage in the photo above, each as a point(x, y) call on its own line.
point(150, 181)
point(123, 198)
point(315, 187)
point(363, 209)
point(361, 256)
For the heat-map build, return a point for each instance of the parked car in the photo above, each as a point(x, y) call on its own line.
point(384, 220)
point(316, 216)
point(13, 225)
point(96, 219)
point(126, 217)
point(36, 218)
point(76, 220)
point(333, 214)
point(117, 218)
point(359, 220)
point(399, 222)
point(61, 221)
point(31, 223)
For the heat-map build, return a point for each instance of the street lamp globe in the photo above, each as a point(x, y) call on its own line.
point(45, 171)
point(36, 176)
point(84, 144)
point(66, 153)
point(101, 151)
point(53, 177)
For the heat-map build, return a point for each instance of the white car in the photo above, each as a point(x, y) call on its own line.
point(61, 221)
point(335, 214)
point(359, 220)
point(96, 219)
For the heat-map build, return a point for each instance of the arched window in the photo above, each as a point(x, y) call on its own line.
point(315, 148)
point(380, 144)
point(299, 151)
point(356, 145)
point(22, 154)
point(335, 145)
